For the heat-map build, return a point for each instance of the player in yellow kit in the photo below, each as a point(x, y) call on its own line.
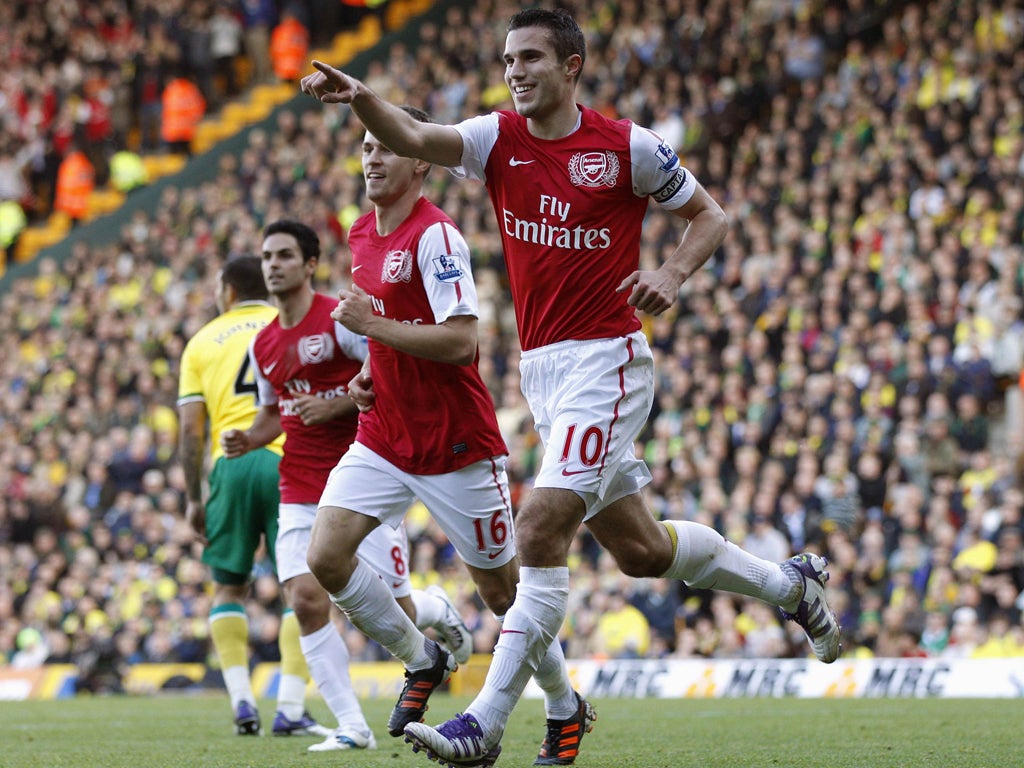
point(217, 387)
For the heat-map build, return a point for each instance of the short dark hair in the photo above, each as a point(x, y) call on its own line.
point(417, 113)
point(566, 35)
point(304, 235)
point(245, 275)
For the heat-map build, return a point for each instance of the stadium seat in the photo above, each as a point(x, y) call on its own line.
point(34, 239)
point(400, 11)
point(368, 33)
point(273, 94)
point(162, 165)
point(103, 201)
point(235, 116)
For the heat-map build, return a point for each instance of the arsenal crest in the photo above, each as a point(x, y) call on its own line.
point(594, 169)
point(316, 349)
point(397, 267)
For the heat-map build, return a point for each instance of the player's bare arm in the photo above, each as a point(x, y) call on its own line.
point(192, 449)
point(404, 135)
point(265, 427)
point(192, 446)
point(453, 341)
point(654, 291)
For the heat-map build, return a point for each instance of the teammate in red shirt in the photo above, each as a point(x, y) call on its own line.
point(427, 428)
point(302, 362)
point(570, 189)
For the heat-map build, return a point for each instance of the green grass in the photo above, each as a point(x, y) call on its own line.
point(186, 731)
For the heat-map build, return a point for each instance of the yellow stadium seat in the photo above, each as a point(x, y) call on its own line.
point(33, 239)
point(369, 32)
point(273, 94)
point(103, 201)
point(398, 13)
point(245, 112)
point(229, 126)
point(210, 132)
point(158, 166)
point(233, 111)
point(172, 163)
point(255, 112)
point(28, 245)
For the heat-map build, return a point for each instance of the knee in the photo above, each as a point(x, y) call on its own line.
point(318, 561)
point(497, 596)
point(311, 605)
point(639, 559)
point(530, 536)
point(328, 566)
point(542, 540)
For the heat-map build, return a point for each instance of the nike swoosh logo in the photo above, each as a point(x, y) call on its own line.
point(396, 584)
point(357, 266)
point(269, 368)
point(512, 632)
point(513, 162)
point(571, 472)
point(494, 555)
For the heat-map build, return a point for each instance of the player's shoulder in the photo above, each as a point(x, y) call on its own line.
point(268, 334)
point(248, 317)
point(428, 213)
point(323, 303)
point(505, 115)
point(319, 319)
point(208, 332)
point(364, 223)
point(592, 120)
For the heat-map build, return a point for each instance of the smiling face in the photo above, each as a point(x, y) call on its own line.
point(388, 177)
point(284, 271)
point(539, 82)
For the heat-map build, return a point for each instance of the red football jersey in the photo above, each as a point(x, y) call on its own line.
point(429, 418)
point(318, 357)
point(570, 212)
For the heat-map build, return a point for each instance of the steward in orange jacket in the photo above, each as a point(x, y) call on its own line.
point(183, 107)
point(75, 182)
point(289, 44)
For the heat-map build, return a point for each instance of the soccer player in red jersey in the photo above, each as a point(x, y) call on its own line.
point(570, 189)
point(427, 430)
point(303, 361)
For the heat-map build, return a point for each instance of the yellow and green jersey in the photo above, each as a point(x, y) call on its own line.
point(215, 371)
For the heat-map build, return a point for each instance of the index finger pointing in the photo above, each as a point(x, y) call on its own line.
point(327, 69)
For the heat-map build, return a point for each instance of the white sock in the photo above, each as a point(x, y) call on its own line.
point(705, 560)
point(328, 660)
point(291, 696)
point(430, 610)
point(372, 608)
point(239, 685)
point(552, 677)
point(530, 626)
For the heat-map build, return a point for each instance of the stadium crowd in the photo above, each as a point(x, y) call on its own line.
point(842, 376)
point(94, 76)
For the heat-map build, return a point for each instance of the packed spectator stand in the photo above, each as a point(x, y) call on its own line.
point(843, 376)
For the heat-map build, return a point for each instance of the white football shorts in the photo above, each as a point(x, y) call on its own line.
point(590, 400)
point(471, 505)
point(386, 549)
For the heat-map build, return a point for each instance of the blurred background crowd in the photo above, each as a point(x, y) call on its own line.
point(843, 376)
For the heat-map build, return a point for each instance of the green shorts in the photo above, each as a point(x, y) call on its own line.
point(242, 508)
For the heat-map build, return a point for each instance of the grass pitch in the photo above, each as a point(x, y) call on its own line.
point(186, 731)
